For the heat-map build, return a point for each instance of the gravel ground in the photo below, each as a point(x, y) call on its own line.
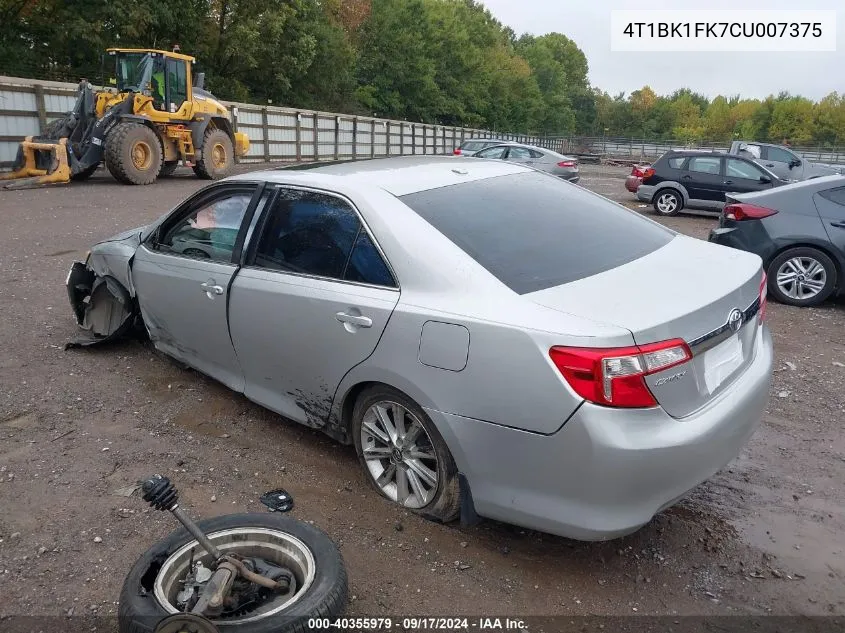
point(765, 535)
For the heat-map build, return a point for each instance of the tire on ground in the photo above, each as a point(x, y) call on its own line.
point(446, 504)
point(808, 252)
point(218, 155)
point(139, 611)
point(133, 154)
point(679, 201)
point(168, 168)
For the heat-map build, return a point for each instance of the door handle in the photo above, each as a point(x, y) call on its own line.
point(728, 182)
point(838, 225)
point(686, 177)
point(770, 165)
point(209, 288)
point(354, 319)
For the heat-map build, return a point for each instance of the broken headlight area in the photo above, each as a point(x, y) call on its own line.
point(101, 305)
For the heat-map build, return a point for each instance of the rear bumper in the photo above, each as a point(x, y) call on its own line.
point(606, 472)
point(750, 237)
point(645, 193)
point(632, 183)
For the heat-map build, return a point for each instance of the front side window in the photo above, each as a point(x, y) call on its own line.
point(210, 230)
point(492, 152)
point(740, 169)
point(705, 165)
point(318, 234)
point(779, 155)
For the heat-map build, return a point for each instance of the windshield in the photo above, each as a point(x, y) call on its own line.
point(134, 71)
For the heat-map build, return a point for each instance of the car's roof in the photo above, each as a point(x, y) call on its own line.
point(398, 175)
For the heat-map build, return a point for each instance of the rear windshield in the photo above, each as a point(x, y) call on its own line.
point(533, 231)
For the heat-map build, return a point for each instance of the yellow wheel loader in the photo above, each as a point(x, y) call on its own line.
point(155, 119)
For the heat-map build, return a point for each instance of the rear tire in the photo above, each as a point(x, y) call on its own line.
point(802, 277)
point(133, 154)
point(668, 202)
point(444, 504)
point(218, 156)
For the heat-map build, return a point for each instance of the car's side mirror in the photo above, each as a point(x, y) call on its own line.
point(794, 163)
point(765, 179)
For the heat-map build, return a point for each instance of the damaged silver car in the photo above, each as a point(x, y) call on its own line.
point(489, 337)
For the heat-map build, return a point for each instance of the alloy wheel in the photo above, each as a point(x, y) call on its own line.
point(667, 203)
point(399, 454)
point(801, 278)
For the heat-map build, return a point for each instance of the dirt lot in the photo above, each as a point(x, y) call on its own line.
point(766, 535)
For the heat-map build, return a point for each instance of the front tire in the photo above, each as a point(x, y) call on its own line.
point(668, 202)
point(133, 154)
point(403, 455)
point(802, 277)
point(218, 156)
point(140, 609)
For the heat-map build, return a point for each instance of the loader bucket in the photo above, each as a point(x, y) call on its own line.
point(39, 163)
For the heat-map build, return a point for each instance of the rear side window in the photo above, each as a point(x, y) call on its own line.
point(317, 234)
point(705, 165)
point(676, 163)
point(474, 146)
point(533, 231)
point(837, 196)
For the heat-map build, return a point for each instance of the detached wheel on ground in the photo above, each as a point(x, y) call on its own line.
point(802, 276)
point(149, 591)
point(668, 202)
point(133, 154)
point(403, 455)
point(218, 156)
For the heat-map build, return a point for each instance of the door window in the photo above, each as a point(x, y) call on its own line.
point(177, 84)
point(210, 230)
point(740, 169)
point(492, 152)
point(520, 153)
point(705, 165)
point(318, 234)
point(779, 155)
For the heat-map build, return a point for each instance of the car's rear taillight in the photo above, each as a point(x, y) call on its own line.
point(742, 211)
point(764, 294)
point(457, 151)
point(614, 377)
point(648, 173)
point(567, 163)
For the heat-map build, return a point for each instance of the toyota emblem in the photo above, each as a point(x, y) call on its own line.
point(735, 320)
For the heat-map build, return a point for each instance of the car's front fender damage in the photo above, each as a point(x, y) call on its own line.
point(102, 306)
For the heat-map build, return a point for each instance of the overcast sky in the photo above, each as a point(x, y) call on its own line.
point(750, 74)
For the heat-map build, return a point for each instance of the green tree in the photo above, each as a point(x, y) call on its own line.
point(792, 120)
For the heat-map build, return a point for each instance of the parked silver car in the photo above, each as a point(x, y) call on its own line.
point(540, 158)
point(490, 339)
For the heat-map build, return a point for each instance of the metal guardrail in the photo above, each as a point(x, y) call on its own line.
point(276, 133)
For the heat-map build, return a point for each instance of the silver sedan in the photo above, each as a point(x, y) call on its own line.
point(492, 341)
point(540, 158)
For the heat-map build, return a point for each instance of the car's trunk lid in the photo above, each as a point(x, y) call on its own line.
point(686, 290)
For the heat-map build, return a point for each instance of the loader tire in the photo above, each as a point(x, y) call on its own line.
point(53, 130)
point(168, 168)
point(133, 154)
point(218, 156)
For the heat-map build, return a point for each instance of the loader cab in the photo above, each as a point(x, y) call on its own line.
point(166, 77)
